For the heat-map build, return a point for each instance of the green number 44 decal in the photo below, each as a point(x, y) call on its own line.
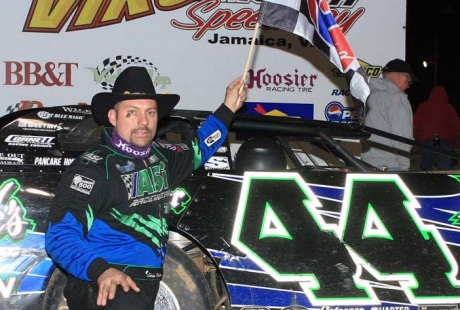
point(377, 242)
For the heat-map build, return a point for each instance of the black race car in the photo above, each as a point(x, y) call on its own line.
point(284, 216)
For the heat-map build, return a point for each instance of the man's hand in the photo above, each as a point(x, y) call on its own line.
point(108, 282)
point(235, 94)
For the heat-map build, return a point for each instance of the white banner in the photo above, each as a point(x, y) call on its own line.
point(63, 52)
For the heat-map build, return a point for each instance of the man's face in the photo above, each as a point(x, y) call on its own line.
point(135, 120)
point(404, 81)
point(401, 79)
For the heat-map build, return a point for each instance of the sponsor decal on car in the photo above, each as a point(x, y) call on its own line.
point(47, 115)
point(30, 141)
point(430, 307)
point(40, 126)
point(77, 110)
point(222, 149)
point(217, 162)
point(180, 199)
point(11, 159)
point(53, 161)
point(14, 223)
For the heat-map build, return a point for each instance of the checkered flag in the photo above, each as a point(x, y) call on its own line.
point(129, 183)
point(313, 20)
point(110, 66)
point(13, 108)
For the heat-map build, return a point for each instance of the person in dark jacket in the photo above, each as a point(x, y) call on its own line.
point(106, 227)
point(436, 124)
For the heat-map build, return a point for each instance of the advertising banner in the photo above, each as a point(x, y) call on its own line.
point(63, 52)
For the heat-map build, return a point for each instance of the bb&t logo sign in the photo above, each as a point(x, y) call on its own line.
point(29, 73)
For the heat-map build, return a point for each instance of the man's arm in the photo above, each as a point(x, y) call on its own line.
point(209, 137)
point(71, 216)
point(401, 122)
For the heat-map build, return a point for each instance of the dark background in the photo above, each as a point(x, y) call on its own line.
point(432, 34)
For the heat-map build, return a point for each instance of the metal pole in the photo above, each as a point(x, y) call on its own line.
point(435, 65)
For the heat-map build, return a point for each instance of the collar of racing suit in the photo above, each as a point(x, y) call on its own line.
point(127, 148)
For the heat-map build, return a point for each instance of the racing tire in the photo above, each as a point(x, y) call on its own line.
point(183, 285)
point(54, 295)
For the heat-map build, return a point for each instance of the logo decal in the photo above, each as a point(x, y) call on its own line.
point(127, 168)
point(13, 221)
point(30, 141)
point(106, 74)
point(217, 162)
point(82, 184)
point(153, 159)
point(335, 112)
point(12, 159)
point(213, 138)
point(90, 157)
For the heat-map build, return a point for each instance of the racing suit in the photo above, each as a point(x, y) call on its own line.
point(109, 208)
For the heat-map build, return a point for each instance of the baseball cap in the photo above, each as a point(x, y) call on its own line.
point(398, 65)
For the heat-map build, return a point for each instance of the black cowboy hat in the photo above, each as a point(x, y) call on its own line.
point(131, 83)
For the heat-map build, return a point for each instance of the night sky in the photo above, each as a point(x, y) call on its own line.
point(433, 32)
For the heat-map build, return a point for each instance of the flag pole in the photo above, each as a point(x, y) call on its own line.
point(248, 60)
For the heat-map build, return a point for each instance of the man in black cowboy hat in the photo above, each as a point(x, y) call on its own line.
point(106, 227)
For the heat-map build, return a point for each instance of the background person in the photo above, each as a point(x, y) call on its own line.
point(389, 110)
point(436, 124)
point(107, 227)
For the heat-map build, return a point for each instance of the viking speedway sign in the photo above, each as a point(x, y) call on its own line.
point(210, 38)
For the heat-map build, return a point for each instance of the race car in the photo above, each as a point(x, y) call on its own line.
point(284, 216)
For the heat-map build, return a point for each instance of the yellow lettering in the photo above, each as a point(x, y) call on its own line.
point(52, 15)
point(130, 7)
point(49, 14)
point(88, 12)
